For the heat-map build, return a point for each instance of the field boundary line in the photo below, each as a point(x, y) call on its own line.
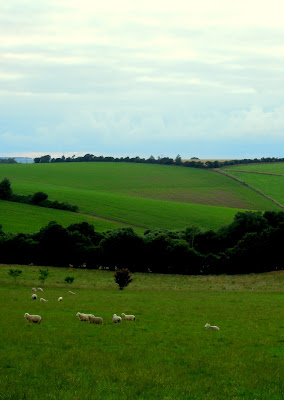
point(111, 220)
point(253, 172)
point(222, 172)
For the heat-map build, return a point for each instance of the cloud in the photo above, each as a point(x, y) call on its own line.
point(139, 74)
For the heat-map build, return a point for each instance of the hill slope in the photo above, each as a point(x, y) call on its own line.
point(147, 196)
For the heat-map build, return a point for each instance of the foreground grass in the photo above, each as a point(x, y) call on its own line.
point(165, 354)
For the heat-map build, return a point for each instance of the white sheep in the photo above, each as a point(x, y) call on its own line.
point(128, 317)
point(33, 318)
point(95, 320)
point(214, 328)
point(40, 289)
point(34, 289)
point(42, 299)
point(70, 292)
point(116, 319)
point(83, 317)
point(34, 296)
point(60, 298)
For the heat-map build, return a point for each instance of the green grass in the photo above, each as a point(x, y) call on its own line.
point(18, 218)
point(167, 353)
point(270, 168)
point(270, 185)
point(145, 196)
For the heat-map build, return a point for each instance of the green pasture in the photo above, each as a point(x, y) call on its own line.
point(139, 195)
point(167, 353)
point(269, 168)
point(160, 182)
point(272, 186)
point(18, 218)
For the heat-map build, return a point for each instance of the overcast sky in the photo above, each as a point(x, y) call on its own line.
point(199, 78)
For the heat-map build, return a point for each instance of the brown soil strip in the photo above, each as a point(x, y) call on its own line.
point(247, 185)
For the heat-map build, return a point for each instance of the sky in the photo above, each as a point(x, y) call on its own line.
point(196, 78)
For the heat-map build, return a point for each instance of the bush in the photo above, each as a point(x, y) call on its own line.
point(15, 273)
point(69, 279)
point(43, 275)
point(122, 277)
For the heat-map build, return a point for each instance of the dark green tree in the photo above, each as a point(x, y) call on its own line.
point(178, 160)
point(5, 189)
point(38, 197)
point(122, 277)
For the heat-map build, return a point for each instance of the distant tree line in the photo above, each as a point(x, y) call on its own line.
point(36, 199)
point(193, 163)
point(252, 243)
point(8, 160)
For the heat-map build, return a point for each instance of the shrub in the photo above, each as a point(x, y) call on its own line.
point(69, 279)
point(43, 275)
point(15, 273)
point(122, 277)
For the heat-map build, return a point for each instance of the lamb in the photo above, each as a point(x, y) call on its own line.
point(60, 298)
point(128, 317)
point(40, 289)
point(215, 328)
point(70, 292)
point(33, 318)
point(34, 296)
point(83, 317)
point(34, 289)
point(42, 299)
point(116, 319)
point(95, 320)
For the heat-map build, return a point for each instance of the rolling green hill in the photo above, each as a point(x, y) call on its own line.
point(261, 176)
point(269, 168)
point(141, 195)
point(17, 218)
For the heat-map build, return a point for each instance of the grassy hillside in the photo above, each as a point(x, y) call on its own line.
point(272, 168)
point(146, 196)
point(19, 218)
point(272, 186)
point(167, 353)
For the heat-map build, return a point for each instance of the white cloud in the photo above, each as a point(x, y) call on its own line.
point(132, 72)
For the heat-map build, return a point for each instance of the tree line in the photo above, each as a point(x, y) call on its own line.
point(252, 243)
point(192, 163)
point(36, 199)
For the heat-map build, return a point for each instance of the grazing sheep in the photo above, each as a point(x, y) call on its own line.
point(36, 319)
point(34, 296)
point(70, 292)
point(34, 289)
point(83, 317)
point(95, 320)
point(60, 298)
point(41, 299)
point(116, 319)
point(214, 328)
point(128, 317)
point(40, 289)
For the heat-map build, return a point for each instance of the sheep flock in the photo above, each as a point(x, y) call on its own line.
point(91, 318)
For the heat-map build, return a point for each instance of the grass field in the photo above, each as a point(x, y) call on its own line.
point(145, 196)
point(19, 218)
point(270, 168)
point(167, 353)
point(272, 186)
